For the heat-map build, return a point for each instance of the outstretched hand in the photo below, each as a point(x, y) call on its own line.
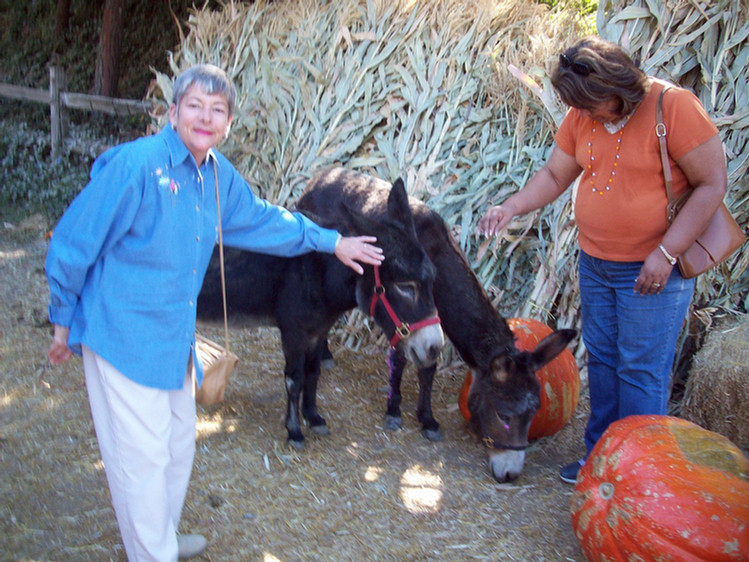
point(355, 250)
point(495, 220)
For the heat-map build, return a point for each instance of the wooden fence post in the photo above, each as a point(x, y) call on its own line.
point(56, 108)
point(61, 101)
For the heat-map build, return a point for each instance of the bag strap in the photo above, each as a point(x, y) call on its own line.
point(221, 256)
point(660, 132)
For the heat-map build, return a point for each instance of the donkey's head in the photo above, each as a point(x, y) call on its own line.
point(503, 400)
point(398, 294)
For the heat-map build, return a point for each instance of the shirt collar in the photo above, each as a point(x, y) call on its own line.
point(178, 152)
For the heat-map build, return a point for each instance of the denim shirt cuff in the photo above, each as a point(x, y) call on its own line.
point(328, 241)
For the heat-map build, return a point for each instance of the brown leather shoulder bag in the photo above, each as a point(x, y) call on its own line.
point(721, 238)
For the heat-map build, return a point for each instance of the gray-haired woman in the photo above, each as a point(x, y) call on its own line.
point(125, 266)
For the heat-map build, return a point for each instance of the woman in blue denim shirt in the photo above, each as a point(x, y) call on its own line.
point(125, 266)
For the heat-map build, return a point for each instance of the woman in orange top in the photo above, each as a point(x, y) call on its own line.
point(633, 298)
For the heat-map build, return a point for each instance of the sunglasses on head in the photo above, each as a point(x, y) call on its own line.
point(579, 68)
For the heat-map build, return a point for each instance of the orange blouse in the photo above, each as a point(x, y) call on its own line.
point(627, 221)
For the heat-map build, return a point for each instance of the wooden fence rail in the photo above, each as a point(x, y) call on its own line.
point(59, 101)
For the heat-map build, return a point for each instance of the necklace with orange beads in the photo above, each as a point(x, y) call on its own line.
point(593, 176)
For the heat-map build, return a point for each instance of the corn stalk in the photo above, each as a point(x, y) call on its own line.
point(429, 91)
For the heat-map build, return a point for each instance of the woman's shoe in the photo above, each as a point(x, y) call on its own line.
point(190, 545)
point(569, 472)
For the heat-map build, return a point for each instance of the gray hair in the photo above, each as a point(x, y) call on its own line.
point(211, 78)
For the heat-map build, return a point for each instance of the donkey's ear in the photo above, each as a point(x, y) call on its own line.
point(398, 209)
point(551, 346)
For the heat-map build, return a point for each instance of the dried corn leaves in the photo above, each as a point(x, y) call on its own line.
point(424, 90)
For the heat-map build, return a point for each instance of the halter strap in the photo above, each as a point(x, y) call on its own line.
point(491, 443)
point(402, 329)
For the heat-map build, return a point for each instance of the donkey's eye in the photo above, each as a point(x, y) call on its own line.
point(504, 420)
point(407, 290)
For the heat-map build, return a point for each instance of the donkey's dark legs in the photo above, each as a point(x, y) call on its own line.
point(309, 397)
point(327, 361)
point(429, 426)
point(396, 362)
point(294, 379)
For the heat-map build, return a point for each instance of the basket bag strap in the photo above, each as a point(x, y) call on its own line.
point(221, 258)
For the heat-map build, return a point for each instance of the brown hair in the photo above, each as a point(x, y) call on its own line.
point(594, 71)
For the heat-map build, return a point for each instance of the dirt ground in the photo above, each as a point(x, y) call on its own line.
point(361, 494)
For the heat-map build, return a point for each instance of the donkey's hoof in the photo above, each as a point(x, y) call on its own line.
point(432, 434)
point(393, 423)
point(297, 444)
point(321, 429)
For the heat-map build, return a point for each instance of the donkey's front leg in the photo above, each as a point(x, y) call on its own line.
point(396, 362)
point(309, 397)
point(294, 378)
point(429, 426)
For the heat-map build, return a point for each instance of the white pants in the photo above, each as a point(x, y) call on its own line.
point(147, 442)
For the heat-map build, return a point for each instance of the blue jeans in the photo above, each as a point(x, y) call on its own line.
point(630, 339)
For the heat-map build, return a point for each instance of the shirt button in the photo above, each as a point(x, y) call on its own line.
point(197, 238)
point(192, 304)
point(197, 207)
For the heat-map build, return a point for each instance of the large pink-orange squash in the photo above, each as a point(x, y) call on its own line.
point(560, 381)
point(662, 489)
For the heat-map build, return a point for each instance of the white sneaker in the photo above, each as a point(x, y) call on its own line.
point(190, 545)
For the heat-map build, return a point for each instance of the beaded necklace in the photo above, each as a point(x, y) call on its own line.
point(607, 186)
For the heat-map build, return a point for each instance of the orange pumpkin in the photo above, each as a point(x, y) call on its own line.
point(662, 489)
point(560, 381)
point(463, 397)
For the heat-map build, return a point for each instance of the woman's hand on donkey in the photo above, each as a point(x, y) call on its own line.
point(355, 250)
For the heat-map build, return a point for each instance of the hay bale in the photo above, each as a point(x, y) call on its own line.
point(717, 389)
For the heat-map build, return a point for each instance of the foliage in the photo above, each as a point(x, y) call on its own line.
point(585, 8)
point(425, 91)
point(32, 182)
point(29, 44)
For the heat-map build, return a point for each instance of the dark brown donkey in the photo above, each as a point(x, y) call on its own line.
point(304, 296)
point(505, 394)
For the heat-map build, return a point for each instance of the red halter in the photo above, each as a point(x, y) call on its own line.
point(402, 329)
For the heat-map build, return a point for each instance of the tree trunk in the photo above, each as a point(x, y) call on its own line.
point(62, 18)
point(108, 54)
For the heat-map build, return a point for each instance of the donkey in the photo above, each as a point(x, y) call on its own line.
point(505, 394)
point(304, 296)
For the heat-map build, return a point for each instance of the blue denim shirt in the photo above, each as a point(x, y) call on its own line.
point(126, 261)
